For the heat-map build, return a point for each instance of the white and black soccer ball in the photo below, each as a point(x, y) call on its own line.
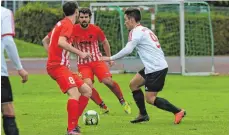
point(91, 117)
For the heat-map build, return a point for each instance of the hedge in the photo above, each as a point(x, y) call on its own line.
point(194, 24)
point(35, 20)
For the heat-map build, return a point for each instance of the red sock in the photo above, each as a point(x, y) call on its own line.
point(117, 91)
point(73, 113)
point(83, 101)
point(96, 97)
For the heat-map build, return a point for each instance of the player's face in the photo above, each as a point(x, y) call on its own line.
point(84, 20)
point(128, 22)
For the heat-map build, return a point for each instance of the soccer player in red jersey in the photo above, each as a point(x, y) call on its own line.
point(86, 37)
point(58, 66)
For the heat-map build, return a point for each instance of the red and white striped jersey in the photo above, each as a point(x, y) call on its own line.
point(86, 40)
point(56, 55)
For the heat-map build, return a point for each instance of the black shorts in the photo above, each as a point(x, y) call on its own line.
point(154, 81)
point(6, 91)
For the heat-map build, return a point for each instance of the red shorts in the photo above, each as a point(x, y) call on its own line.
point(97, 68)
point(65, 78)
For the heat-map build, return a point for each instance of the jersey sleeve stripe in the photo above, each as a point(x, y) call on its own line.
point(63, 57)
point(130, 35)
point(12, 23)
point(8, 34)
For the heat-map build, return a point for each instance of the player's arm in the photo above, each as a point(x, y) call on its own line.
point(45, 42)
point(12, 53)
point(125, 51)
point(106, 47)
point(135, 38)
point(128, 49)
point(10, 46)
point(102, 38)
point(62, 42)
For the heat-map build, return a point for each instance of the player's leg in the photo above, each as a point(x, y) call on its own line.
point(114, 87)
point(88, 77)
point(103, 74)
point(67, 84)
point(9, 123)
point(73, 108)
point(135, 86)
point(154, 84)
point(102, 71)
point(97, 99)
point(85, 91)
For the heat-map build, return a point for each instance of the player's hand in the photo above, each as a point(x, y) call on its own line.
point(105, 58)
point(24, 75)
point(85, 55)
point(111, 63)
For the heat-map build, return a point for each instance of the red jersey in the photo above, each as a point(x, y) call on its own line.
point(56, 55)
point(86, 40)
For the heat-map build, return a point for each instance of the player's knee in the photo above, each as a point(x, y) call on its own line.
point(74, 93)
point(89, 93)
point(89, 83)
point(8, 109)
point(85, 90)
point(150, 100)
point(108, 82)
point(132, 86)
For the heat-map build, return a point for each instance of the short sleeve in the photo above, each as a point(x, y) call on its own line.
point(101, 35)
point(49, 34)
point(66, 30)
point(7, 24)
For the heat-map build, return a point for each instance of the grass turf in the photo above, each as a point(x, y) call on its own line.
point(29, 50)
point(41, 108)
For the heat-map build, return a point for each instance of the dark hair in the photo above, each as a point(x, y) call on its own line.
point(133, 13)
point(69, 8)
point(85, 11)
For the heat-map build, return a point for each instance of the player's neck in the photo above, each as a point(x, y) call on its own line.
point(136, 25)
point(84, 27)
point(72, 19)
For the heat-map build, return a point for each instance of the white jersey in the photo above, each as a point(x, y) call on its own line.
point(7, 22)
point(148, 48)
point(7, 42)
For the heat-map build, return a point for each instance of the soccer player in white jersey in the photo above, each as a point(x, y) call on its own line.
point(7, 43)
point(152, 76)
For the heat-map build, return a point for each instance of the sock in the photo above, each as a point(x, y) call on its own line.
point(73, 113)
point(165, 105)
point(140, 101)
point(117, 91)
point(10, 126)
point(96, 97)
point(83, 101)
point(102, 105)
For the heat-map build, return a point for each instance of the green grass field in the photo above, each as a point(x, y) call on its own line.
point(41, 108)
point(30, 50)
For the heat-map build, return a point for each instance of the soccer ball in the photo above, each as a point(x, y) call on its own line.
point(91, 117)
